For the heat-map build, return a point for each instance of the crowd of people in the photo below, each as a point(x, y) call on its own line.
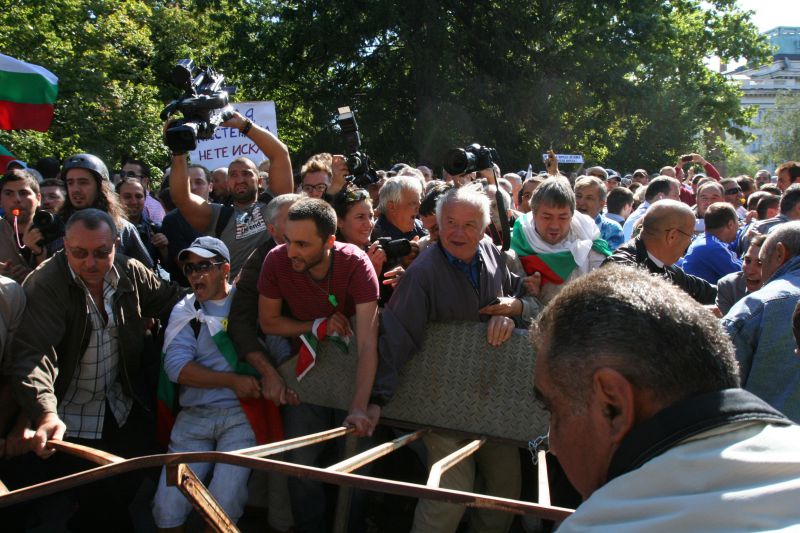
point(662, 308)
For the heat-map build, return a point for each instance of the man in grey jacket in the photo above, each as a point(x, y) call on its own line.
point(462, 277)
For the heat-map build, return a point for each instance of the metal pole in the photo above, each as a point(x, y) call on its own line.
point(443, 465)
point(356, 462)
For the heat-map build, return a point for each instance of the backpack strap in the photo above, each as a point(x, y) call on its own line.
point(194, 322)
point(225, 215)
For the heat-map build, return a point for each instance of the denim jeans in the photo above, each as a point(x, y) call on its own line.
point(201, 429)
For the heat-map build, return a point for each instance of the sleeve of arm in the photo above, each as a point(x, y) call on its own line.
point(616, 238)
point(712, 171)
point(402, 333)
point(743, 335)
point(135, 248)
point(157, 297)
point(531, 306)
point(181, 350)
point(700, 289)
point(34, 366)
point(243, 326)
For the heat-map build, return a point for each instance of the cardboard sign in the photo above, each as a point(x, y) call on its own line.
point(228, 143)
point(567, 158)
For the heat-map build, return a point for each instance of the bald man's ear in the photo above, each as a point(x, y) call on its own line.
point(615, 401)
point(780, 253)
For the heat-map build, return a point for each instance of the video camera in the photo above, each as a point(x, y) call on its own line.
point(357, 162)
point(50, 225)
point(394, 248)
point(204, 105)
point(473, 158)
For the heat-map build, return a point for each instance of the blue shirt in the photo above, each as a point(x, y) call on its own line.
point(610, 231)
point(471, 269)
point(202, 350)
point(710, 258)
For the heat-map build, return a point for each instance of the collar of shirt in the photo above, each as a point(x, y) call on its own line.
point(471, 269)
point(111, 279)
point(659, 263)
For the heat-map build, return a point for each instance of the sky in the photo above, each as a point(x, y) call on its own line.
point(772, 13)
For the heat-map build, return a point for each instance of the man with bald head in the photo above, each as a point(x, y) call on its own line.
point(666, 233)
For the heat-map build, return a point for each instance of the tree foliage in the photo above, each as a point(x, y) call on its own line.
point(623, 83)
point(782, 130)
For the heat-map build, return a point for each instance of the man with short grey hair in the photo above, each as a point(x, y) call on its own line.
point(462, 277)
point(759, 324)
point(398, 204)
point(628, 409)
point(590, 198)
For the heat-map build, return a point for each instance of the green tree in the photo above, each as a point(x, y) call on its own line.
point(781, 126)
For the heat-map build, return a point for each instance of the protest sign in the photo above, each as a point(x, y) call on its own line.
point(566, 158)
point(228, 143)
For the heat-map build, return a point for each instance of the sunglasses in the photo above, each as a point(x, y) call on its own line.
point(129, 174)
point(737, 190)
point(201, 268)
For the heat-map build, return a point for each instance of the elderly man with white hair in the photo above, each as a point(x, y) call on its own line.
point(462, 277)
point(398, 204)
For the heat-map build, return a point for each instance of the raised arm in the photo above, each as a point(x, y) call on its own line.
point(195, 209)
point(280, 170)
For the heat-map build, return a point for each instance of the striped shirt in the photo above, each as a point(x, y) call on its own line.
point(83, 407)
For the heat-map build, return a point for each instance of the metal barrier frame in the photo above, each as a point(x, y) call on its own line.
point(180, 475)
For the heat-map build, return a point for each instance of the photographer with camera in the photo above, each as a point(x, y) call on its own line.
point(21, 246)
point(133, 196)
point(241, 226)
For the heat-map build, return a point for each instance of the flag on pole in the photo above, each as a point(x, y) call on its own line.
point(5, 158)
point(27, 95)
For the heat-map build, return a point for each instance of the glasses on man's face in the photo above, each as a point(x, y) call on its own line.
point(320, 187)
point(680, 231)
point(737, 190)
point(201, 268)
point(129, 174)
point(99, 254)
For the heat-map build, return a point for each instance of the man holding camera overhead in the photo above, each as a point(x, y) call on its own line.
point(242, 226)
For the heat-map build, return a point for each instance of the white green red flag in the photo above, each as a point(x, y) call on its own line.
point(27, 95)
point(5, 158)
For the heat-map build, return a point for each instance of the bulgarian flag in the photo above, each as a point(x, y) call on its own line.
point(27, 95)
point(5, 157)
point(555, 265)
point(263, 415)
point(307, 357)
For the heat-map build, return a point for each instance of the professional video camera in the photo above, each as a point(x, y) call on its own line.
point(470, 159)
point(394, 248)
point(204, 105)
point(50, 225)
point(357, 162)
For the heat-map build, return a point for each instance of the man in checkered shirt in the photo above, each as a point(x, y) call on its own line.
point(77, 368)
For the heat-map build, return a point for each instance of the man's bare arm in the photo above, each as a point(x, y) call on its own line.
point(280, 169)
point(274, 323)
point(195, 209)
point(367, 329)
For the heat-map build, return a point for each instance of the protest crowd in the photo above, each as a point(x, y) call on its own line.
point(662, 304)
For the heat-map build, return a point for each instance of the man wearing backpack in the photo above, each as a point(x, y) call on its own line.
point(242, 226)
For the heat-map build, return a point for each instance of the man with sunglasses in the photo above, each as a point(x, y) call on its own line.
point(134, 168)
point(78, 371)
point(667, 231)
point(215, 391)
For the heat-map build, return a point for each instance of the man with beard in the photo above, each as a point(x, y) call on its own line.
point(310, 287)
point(242, 226)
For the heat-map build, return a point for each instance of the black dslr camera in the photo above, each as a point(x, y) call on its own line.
point(204, 105)
point(357, 162)
point(51, 226)
point(470, 159)
point(396, 248)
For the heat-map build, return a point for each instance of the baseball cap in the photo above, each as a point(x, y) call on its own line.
point(206, 247)
point(603, 174)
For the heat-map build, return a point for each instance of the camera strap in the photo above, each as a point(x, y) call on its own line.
point(505, 228)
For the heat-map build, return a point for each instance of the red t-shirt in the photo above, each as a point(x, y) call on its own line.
point(352, 281)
